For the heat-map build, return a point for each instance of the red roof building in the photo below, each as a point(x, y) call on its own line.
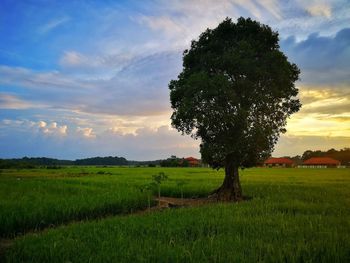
point(318, 162)
point(279, 162)
point(192, 161)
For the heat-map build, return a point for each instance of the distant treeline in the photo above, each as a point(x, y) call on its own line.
point(26, 162)
point(342, 155)
point(174, 161)
point(102, 161)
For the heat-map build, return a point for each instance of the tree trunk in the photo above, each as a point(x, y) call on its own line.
point(230, 190)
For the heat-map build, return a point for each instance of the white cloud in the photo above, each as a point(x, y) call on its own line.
point(164, 23)
point(42, 124)
point(48, 80)
point(273, 7)
point(103, 65)
point(138, 89)
point(72, 58)
point(320, 9)
point(148, 143)
point(86, 132)
point(31, 127)
point(63, 129)
point(181, 20)
point(9, 101)
point(53, 125)
point(52, 129)
point(52, 24)
point(16, 123)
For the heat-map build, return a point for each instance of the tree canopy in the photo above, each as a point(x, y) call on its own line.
point(235, 92)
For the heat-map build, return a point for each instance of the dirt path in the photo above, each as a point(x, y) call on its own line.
point(184, 202)
point(165, 203)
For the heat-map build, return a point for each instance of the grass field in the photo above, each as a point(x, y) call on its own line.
point(33, 199)
point(295, 215)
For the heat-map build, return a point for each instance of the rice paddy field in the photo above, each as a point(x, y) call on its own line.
point(89, 214)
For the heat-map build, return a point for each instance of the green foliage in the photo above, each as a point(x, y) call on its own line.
point(235, 92)
point(185, 163)
point(102, 161)
point(158, 179)
point(8, 164)
point(50, 163)
point(148, 189)
point(31, 163)
point(173, 161)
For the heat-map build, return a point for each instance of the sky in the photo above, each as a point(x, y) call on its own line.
point(90, 78)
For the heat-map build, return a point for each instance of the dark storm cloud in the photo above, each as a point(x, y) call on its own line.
point(322, 59)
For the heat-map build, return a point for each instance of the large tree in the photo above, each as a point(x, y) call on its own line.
point(235, 93)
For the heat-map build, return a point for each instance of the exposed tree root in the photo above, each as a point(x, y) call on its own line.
point(225, 195)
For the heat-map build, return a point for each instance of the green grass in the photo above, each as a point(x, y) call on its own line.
point(295, 215)
point(34, 199)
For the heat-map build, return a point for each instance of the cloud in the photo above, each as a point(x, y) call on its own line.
point(147, 139)
point(301, 18)
point(72, 58)
point(17, 123)
point(318, 125)
point(36, 80)
point(325, 100)
point(163, 23)
point(325, 112)
point(144, 144)
point(9, 101)
point(52, 129)
point(139, 89)
point(320, 9)
point(31, 128)
point(290, 145)
point(52, 24)
point(102, 89)
point(98, 66)
point(322, 60)
point(42, 124)
point(86, 132)
point(180, 21)
point(273, 7)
